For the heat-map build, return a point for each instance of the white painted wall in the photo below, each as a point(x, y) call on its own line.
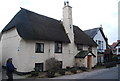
point(0, 56)
point(99, 36)
point(117, 47)
point(27, 53)
point(10, 42)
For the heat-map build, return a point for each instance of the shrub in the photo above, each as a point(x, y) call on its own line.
point(50, 73)
point(34, 73)
point(74, 70)
point(110, 64)
point(67, 68)
point(83, 68)
point(52, 64)
point(62, 71)
point(114, 58)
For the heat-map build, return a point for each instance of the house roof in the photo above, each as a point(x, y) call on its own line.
point(108, 51)
point(114, 44)
point(82, 38)
point(117, 44)
point(33, 26)
point(94, 31)
point(83, 54)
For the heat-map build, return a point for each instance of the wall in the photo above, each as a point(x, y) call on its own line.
point(80, 62)
point(10, 42)
point(0, 56)
point(100, 37)
point(83, 62)
point(117, 47)
point(29, 57)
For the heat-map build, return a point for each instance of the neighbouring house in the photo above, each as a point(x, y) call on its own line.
point(117, 47)
point(30, 39)
point(113, 48)
point(98, 36)
point(108, 54)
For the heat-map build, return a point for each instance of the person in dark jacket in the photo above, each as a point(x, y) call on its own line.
point(10, 69)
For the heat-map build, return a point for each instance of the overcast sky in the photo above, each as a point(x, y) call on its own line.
point(87, 14)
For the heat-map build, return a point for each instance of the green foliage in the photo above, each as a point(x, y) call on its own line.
point(50, 73)
point(114, 58)
point(83, 68)
point(74, 70)
point(34, 73)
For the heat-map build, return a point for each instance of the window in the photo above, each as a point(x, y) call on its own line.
point(39, 48)
point(99, 45)
point(102, 45)
point(79, 47)
point(118, 49)
point(90, 48)
point(39, 66)
point(58, 47)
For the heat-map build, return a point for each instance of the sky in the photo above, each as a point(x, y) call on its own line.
point(87, 14)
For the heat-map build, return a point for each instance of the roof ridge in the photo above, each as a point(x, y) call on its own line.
point(39, 14)
point(92, 28)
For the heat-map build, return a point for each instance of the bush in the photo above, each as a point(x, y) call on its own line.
point(83, 68)
point(110, 64)
point(67, 68)
point(52, 64)
point(34, 73)
point(62, 71)
point(74, 70)
point(114, 58)
point(50, 73)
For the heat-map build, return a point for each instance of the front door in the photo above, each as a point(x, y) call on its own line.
point(89, 61)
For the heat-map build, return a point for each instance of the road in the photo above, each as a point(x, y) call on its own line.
point(109, 73)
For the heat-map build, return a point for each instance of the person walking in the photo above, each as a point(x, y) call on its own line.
point(10, 69)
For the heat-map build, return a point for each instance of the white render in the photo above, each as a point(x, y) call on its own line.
point(99, 36)
point(117, 51)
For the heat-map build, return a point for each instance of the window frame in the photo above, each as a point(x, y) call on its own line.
point(39, 47)
point(56, 49)
point(118, 49)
